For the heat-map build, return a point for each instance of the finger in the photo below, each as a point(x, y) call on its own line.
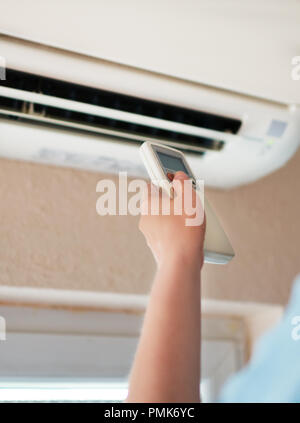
point(179, 178)
point(181, 175)
point(179, 182)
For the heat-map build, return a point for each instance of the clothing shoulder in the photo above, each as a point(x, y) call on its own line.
point(273, 374)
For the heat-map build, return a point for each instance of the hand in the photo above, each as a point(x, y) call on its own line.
point(169, 236)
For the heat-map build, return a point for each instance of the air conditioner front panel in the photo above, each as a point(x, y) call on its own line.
point(234, 166)
point(268, 134)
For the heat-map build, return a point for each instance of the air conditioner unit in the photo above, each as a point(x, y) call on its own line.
point(63, 108)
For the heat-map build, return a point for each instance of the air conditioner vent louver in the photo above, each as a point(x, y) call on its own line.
point(125, 129)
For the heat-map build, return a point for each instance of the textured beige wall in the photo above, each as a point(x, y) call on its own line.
point(50, 235)
point(263, 222)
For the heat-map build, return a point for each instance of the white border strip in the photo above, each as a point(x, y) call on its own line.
point(62, 298)
point(68, 298)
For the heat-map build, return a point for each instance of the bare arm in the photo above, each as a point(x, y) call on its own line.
point(167, 363)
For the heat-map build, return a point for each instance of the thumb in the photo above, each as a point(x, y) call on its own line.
point(181, 176)
point(178, 182)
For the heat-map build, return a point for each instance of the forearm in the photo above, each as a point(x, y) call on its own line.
point(167, 363)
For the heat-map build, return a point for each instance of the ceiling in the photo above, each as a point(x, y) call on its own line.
point(243, 46)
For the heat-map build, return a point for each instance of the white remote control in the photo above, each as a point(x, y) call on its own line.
point(162, 163)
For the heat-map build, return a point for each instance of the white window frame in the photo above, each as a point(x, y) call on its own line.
point(92, 337)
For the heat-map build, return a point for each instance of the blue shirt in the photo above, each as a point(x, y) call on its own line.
point(273, 374)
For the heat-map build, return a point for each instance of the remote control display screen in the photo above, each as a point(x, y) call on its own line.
point(171, 163)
